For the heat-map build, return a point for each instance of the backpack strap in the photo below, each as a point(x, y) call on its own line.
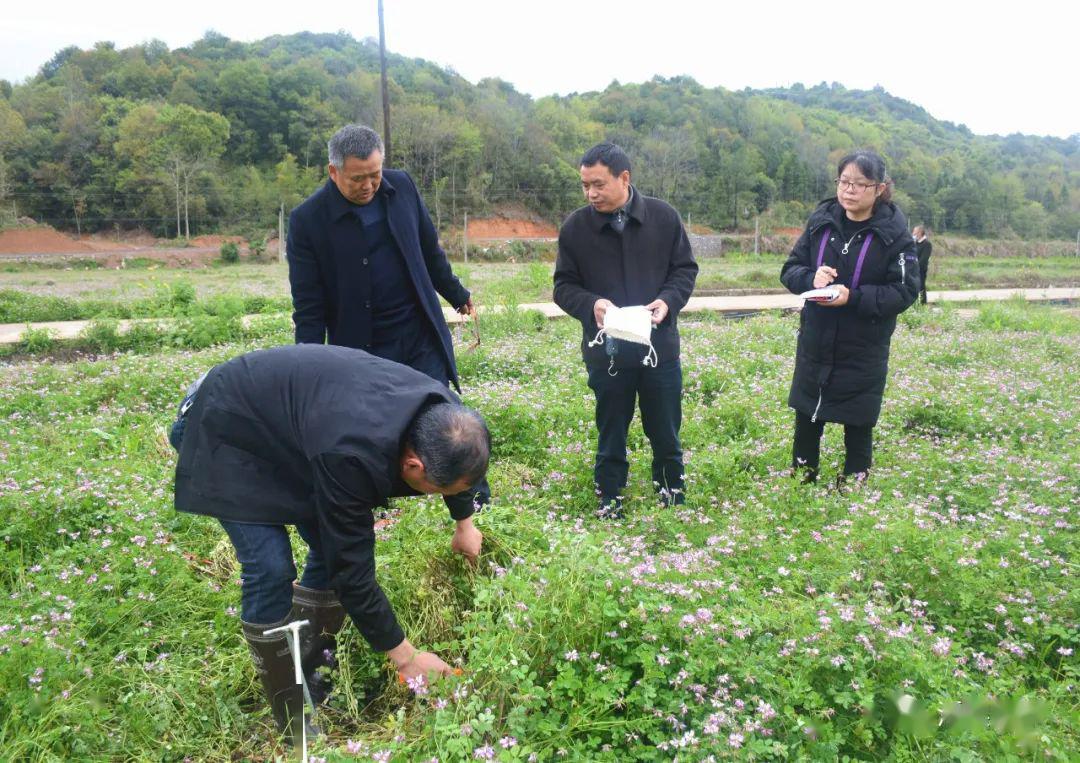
point(859, 262)
point(821, 249)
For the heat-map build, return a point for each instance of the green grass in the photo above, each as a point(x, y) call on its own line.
point(809, 624)
point(38, 294)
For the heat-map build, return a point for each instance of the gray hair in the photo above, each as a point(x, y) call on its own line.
point(452, 442)
point(353, 140)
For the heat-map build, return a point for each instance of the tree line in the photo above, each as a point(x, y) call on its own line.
point(218, 135)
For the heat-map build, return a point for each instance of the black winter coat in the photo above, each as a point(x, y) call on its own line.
point(329, 274)
point(310, 433)
point(923, 249)
point(651, 259)
point(842, 359)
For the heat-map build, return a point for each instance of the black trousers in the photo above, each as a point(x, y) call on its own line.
point(413, 345)
point(658, 393)
point(418, 347)
point(806, 452)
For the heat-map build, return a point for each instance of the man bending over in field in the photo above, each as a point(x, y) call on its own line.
point(316, 437)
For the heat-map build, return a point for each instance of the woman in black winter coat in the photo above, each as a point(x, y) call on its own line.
point(859, 243)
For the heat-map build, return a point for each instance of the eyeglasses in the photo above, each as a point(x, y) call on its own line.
point(853, 185)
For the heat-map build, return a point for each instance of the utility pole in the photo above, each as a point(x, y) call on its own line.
point(757, 233)
point(385, 95)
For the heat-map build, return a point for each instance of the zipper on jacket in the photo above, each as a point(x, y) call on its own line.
point(902, 271)
point(813, 419)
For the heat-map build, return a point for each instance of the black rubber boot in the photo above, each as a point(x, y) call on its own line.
point(318, 642)
point(274, 665)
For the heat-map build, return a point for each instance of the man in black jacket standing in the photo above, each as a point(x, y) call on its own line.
point(316, 437)
point(625, 249)
point(365, 265)
point(366, 271)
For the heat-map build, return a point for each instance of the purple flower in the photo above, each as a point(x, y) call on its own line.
point(418, 685)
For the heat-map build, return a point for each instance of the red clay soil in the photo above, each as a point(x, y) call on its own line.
point(40, 241)
point(43, 241)
point(505, 228)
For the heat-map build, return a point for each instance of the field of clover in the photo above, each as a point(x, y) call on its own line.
point(929, 614)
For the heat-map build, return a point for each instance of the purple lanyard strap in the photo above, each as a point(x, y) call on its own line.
point(858, 262)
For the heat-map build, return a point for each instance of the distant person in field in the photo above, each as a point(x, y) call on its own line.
point(624, 249)
point(923, 248)
point(316, 437)
point(858, 242)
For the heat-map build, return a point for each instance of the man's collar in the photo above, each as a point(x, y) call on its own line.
point(635, 208)
point(340, 206)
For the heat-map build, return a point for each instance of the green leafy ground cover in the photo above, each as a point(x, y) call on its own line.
point(930, 614)
point(59, 294)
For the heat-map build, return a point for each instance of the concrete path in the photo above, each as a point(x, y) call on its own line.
point(11, 333)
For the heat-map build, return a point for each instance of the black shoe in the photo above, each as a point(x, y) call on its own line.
point(673, 497)
point(848, 482)
point(610, 508)
point(807, 475)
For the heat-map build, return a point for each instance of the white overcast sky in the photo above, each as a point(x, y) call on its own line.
point(996, 67)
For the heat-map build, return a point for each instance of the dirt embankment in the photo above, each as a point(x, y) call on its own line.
point(509, 227)
point(45, 243)
point(40, 241)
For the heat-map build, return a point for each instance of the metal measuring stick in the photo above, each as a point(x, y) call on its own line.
point(292, 638)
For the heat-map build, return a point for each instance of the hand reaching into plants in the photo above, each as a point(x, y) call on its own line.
point(467, 540)
point(411, 662)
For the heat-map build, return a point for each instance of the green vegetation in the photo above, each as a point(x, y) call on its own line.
point(170, 299)
point(230, 253)
point(216, 136)
point(34, 294)
point(928, 615)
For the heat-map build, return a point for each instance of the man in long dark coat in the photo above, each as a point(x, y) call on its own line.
point(365, 265)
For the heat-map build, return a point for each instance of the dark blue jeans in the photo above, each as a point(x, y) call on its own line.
point(658, 393)
point(264, 552)
point(267, 571)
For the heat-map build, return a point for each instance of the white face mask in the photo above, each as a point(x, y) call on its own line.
point(631, 324)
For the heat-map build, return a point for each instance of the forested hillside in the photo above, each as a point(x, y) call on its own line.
point(215, 136)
